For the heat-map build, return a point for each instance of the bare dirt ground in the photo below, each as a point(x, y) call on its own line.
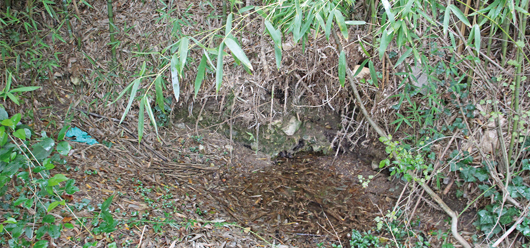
point(195, 189)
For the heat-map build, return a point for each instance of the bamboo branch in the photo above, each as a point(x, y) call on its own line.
point(434, 196)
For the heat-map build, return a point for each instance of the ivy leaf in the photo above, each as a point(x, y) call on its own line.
point(56, 179)
point(64, 148)
point(41, 244)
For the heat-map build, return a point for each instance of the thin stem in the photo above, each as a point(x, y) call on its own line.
point(516, 92)
point(505, 26)
point(111, 31)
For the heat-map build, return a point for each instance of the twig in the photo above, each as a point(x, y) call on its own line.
point(141, 237)
point(336, 235)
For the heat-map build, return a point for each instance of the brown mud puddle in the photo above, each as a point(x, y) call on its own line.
point(305, 201)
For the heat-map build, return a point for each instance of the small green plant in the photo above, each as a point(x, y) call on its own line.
point(91, 172)
point(197, 138)
point(405, 161)
point(365, 181)
point(31, 190)
point(366, 240)
point(7, 92)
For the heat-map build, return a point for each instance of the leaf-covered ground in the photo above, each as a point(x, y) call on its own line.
point(193, 186)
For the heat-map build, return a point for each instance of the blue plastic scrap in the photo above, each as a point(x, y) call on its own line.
point(80, 136)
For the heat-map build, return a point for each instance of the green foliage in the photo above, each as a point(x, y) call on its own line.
point(7, 92)
point(23, 27)
point(524, 227)
point(405, 160)
point(366, 240)
point(491, 219)
point(461, 162)
point(28, 186)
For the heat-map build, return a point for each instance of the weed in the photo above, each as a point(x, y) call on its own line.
point(365, 181)
point(20, 177)
point(91, 172)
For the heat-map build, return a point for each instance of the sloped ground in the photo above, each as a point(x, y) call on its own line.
point(196, 188)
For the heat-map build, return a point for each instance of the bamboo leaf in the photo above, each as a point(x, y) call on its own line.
point(141, 120)
point(278, 56)
point(372, 73)
point(364, 49)
point(123, 92)
point(238, 52)
point(175, 76)
point(342, 68)
point(228, 24)
point(340, 21)
point(297, 25)
point(328, 25)
point(403, 57)
point(355, 22)
point(408, 7)
point(159, 93)
point(388, 11)
point(9, 80)
point(310, 16)
point(459, 14)
point(24, 89)
point(385, 41)
point(446, 21)
point(274, 33)
point(150, 114)
point(277, 38)
point(135, 84)
point(320, 21)
point(245, 9)
point(142, 70)
point(200, 74)
point(183, 54)
point(361, 66)
point(12, 97)
point(219, 69)
point(477, 37)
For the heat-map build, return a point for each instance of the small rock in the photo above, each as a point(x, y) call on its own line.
point(181, 126)
point(375, 165)
point(292, 126)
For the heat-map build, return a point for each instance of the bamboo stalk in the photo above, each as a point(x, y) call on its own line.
point(493, 30)
point(516, 92)
point(506, 27)
point(463, 28)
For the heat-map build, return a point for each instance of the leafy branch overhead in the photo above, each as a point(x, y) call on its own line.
point(280, 17)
